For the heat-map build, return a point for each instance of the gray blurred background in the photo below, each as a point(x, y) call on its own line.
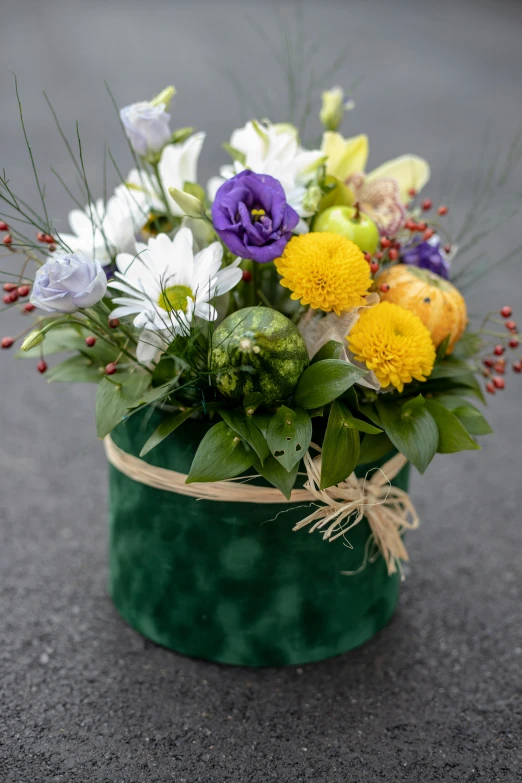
point(436, 695)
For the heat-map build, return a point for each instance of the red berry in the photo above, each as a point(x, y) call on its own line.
point(384, 287)
point(379, 255)
point(385, 242)
point(23, 290)
point(513, 343)
point(393, 254)
point(40, 237)
point(490, 388)
point(442, 210)
point(499, 350)
point(41, 366)
point(410, 224)
point(511, 325)
point(421, 227)
point(247, 276)
point(52, 248)
point(7, 342)
point(48, 238)
point(506, 311)
point(427, 204)
point(428, 234)
point(29, 307)
point(13, 296)
point(500, 368)
point(110, 369)
point(517, 367)
point(499, 382)
point(3, 226)
point(9, 287)
point(7, 240)
point(488, 362)
point(90, 341)
point(6, 299)
point(447, 248)
point(374, 267)
point(412, 192)
point(114, 323)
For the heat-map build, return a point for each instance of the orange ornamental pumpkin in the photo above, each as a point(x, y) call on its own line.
point(436, 301)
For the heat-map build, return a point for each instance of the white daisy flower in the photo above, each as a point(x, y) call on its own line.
point(165, 285)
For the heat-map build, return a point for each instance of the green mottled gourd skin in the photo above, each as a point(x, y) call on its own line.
point(258, 349)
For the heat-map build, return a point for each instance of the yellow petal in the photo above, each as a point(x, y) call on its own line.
point(410, 171)
point(345, 156)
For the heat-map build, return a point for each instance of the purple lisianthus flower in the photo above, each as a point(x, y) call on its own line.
point(427, 255)
point(251, 216)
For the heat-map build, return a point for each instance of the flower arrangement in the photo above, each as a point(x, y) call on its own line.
point(296, 300)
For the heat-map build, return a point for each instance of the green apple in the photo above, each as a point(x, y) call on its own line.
point(349, 223)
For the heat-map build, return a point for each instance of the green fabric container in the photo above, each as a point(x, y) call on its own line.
point(228, 582)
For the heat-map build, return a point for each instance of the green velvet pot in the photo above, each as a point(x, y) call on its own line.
point(228, 582)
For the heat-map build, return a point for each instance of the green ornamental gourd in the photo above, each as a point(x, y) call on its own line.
point(258, 349)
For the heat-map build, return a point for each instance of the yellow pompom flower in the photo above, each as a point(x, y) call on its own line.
point(326, 271)
point(394, 343)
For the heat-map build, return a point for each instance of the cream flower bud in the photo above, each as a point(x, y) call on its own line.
point(190, 205)
point(32, 340)
point(333, 108)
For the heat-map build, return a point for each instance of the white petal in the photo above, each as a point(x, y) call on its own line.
point(150, 346)
point(206, 311)
point(227, 279)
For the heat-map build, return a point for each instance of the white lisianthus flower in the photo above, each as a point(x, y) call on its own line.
point(165, 285)
point(178, 164)
point(146, 124)
point(103, 230)
point(275, 150)
point(66, 283)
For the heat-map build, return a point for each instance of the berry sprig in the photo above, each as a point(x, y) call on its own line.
point(495, 363)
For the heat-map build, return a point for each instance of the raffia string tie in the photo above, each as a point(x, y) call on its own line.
point(388, 509)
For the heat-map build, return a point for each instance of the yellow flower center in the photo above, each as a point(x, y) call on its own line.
point(326, 271)
point(257, 214)
point(394, 343)
point(175, 298)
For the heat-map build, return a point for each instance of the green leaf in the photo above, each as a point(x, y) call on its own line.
point(453, 436)
point(275, 473)
point(115, 397)
point(262, 420)
point(360, 425)
point(330, 350)
point(252, 401)
point(469, 345)
point(341, 447)
point(412, 431)
point(193, 189)
point(468, 414)
point(166, 428)
point(153, 394)
point(76, 369)
point(111, 406)
point(289, 435)
point(374, 448)
point(220, 455)
point(462, 386)
point(246, 428)
point(450, 368)
point(369, 410)
point(324, 381)
point(443, 348)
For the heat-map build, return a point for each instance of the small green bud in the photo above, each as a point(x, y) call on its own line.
point(164, 97)
point(312, 198)
point(32, 340)
point(190, 205)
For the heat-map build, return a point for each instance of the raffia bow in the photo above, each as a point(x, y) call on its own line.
point(388, 509)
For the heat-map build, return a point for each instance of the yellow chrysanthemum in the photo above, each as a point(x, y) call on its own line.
point(394, 343)
point(326, 271)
